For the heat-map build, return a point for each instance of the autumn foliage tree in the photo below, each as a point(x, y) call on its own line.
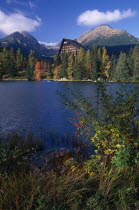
point(57, 71)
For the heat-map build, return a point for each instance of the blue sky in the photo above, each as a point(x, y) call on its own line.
point(52, 20)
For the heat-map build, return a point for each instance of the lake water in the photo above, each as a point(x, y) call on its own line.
point(35, 106)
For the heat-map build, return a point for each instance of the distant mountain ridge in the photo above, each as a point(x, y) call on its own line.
point(55, 46)
point(104, 35)
point(115, 41)
point(26, 42)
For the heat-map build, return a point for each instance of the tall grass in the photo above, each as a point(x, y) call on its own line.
point(24, 185)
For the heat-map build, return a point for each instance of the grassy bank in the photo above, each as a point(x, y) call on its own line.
point(64, 181)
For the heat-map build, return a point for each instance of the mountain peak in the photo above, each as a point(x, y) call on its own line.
point(27, 35)
point(25, 42)
point(104, 25)
point(104, 35)
point(24, 33)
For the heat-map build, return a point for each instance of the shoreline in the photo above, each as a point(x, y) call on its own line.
point(10, 79)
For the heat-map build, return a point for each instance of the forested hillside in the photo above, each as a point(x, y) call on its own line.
point(94, 64)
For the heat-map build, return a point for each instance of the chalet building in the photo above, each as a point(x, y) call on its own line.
point(70, 46)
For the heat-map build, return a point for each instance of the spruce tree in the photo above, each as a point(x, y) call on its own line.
point(70, 66)
point(122, 69)
point(99, 63)
point(80, 71)
point(136, 63)
point(57, 60)
point(93, 73)
point(1, 67)
point(63, 72)
point(19, 60)
point(5, 60)
point(12, 64)
point(112, 67)
point(88, 64)
point(31, 65)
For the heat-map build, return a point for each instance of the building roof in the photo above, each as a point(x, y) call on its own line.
point(73, 42)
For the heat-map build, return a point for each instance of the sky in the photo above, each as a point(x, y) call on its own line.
point(50, 21)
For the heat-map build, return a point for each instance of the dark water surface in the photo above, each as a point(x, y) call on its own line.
point(35, 106)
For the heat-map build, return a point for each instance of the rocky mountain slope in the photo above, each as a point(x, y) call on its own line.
point(25, 42)
point(104, 35)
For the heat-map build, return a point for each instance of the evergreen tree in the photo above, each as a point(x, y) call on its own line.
point(99, 62)
point(112, 67)
point(136, 63)
point(77, 75)
point(70, 66)
point(57, 60)
point(80, 71)
point(12, 64)
point(88, 64)
point(63, 72)
point(45, 66)
point(94, 73)
point(122, 69)
point(5, 60)
point(1, 67)
point(19, 60)
point(130, 63)
point(31, 65)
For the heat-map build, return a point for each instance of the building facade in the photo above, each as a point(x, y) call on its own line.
point(69, 46)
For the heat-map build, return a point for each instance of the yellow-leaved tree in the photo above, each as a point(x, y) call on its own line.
point(105, 63)
point(57, 72)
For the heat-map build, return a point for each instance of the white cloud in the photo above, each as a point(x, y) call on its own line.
point(31, 4)
point(17, 21)
point(95, 17)
point(49, 44)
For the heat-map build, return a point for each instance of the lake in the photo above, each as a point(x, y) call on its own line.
point(36, 106)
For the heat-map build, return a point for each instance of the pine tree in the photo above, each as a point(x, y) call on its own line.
point(80, 71)
point(5, 60)
point(122, 69)
point(112, 67)
point(63, 72)
point(99, 62)
point(70, 66)
point(94, 73)
point(31, 65)
point(88, 64)
point(136, 63)
point(1, 67)
point(12, 64)
point(19, 60)
point(57, 60)
point(77, 75)
point(130, 63)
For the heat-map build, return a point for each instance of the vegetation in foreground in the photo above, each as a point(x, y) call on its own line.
point(107, 180)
